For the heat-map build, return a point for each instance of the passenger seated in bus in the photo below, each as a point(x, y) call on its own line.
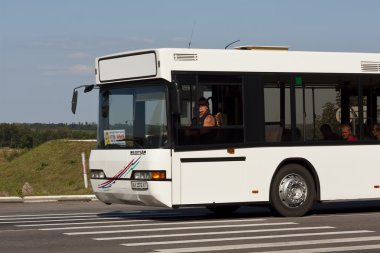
point(218, 119)
point(287, 135)
point(347, 133)
point(327, 133)
point(376, 131)
point(204, 119)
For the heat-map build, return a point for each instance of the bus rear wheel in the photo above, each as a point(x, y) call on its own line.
point(292, 192)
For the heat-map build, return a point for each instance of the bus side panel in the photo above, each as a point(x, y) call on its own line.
point(345, 173)
point(208, 177)
point(212, 182)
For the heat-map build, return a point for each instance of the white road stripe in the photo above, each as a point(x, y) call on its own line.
point(155, 224)
point(212, 233)
point(15, 230)
point(85, 223)
point(42, 215)
point(271, 244)
point(176, 228)
point(340, 215)
point(36, 221)
point(39, 219)
point(84, 215)
point(332, 249)
point(248, 238)
point(48, 217)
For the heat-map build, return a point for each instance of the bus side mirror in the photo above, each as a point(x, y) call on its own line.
point(74, 101)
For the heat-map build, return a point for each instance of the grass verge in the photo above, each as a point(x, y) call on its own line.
point(53, 168)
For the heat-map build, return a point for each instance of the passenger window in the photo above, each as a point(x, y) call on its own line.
point(277, 108)
point(318, 111)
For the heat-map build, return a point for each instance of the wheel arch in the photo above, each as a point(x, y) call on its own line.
point(305, 163)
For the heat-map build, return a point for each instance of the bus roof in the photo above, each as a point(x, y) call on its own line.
point(159, 63)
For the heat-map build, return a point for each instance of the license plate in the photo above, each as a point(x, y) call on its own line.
point(139, 185)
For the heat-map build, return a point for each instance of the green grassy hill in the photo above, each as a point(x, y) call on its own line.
point(53, 168)
point(3, 154)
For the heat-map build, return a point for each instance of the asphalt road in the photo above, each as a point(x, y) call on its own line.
point(95, 227)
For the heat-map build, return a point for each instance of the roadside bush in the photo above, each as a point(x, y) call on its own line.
point(11, 154)
point(32, 135)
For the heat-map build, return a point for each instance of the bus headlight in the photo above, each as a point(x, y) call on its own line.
point(97, 174)
point(142, 175)
point(149, 175)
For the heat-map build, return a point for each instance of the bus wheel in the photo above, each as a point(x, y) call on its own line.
point(223, 210)
point(292, 192)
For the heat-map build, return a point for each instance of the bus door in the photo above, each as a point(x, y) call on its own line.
point(206, 169)
point(211, 177)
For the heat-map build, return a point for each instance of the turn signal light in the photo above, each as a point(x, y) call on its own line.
point(158, 175)
point(149, 175)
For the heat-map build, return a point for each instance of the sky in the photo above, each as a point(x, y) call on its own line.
point(48, 47)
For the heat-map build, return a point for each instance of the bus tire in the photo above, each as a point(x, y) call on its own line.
point(292, 193)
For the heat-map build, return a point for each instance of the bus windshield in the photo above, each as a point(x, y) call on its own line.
point(132, 117)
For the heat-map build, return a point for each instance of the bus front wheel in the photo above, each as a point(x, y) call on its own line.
point(292, 192)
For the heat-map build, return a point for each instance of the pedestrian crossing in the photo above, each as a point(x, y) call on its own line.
point(171, 231)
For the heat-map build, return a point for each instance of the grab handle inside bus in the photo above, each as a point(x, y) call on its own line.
point(176, 96)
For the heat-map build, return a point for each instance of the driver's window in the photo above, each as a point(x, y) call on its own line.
point(221, 97)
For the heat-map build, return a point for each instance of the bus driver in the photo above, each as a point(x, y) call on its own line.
point(204, 119)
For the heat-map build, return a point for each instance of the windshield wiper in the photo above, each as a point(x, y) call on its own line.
point(137, 142)
point(114, 146)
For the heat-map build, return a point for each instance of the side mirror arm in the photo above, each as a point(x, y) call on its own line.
point(74, 100)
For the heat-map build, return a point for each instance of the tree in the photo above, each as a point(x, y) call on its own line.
point(328, 116)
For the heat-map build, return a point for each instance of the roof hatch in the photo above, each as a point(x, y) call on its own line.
point(281, 48)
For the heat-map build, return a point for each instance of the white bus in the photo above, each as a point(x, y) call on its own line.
point(267, 146)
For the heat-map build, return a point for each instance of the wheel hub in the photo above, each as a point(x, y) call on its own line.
point(293, 190)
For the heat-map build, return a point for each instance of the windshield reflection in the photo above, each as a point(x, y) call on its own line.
point(133, 117)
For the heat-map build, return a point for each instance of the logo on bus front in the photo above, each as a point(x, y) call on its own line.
point(127, 169)
point(138, 152)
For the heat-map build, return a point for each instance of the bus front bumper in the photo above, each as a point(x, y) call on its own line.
point(158, 193)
